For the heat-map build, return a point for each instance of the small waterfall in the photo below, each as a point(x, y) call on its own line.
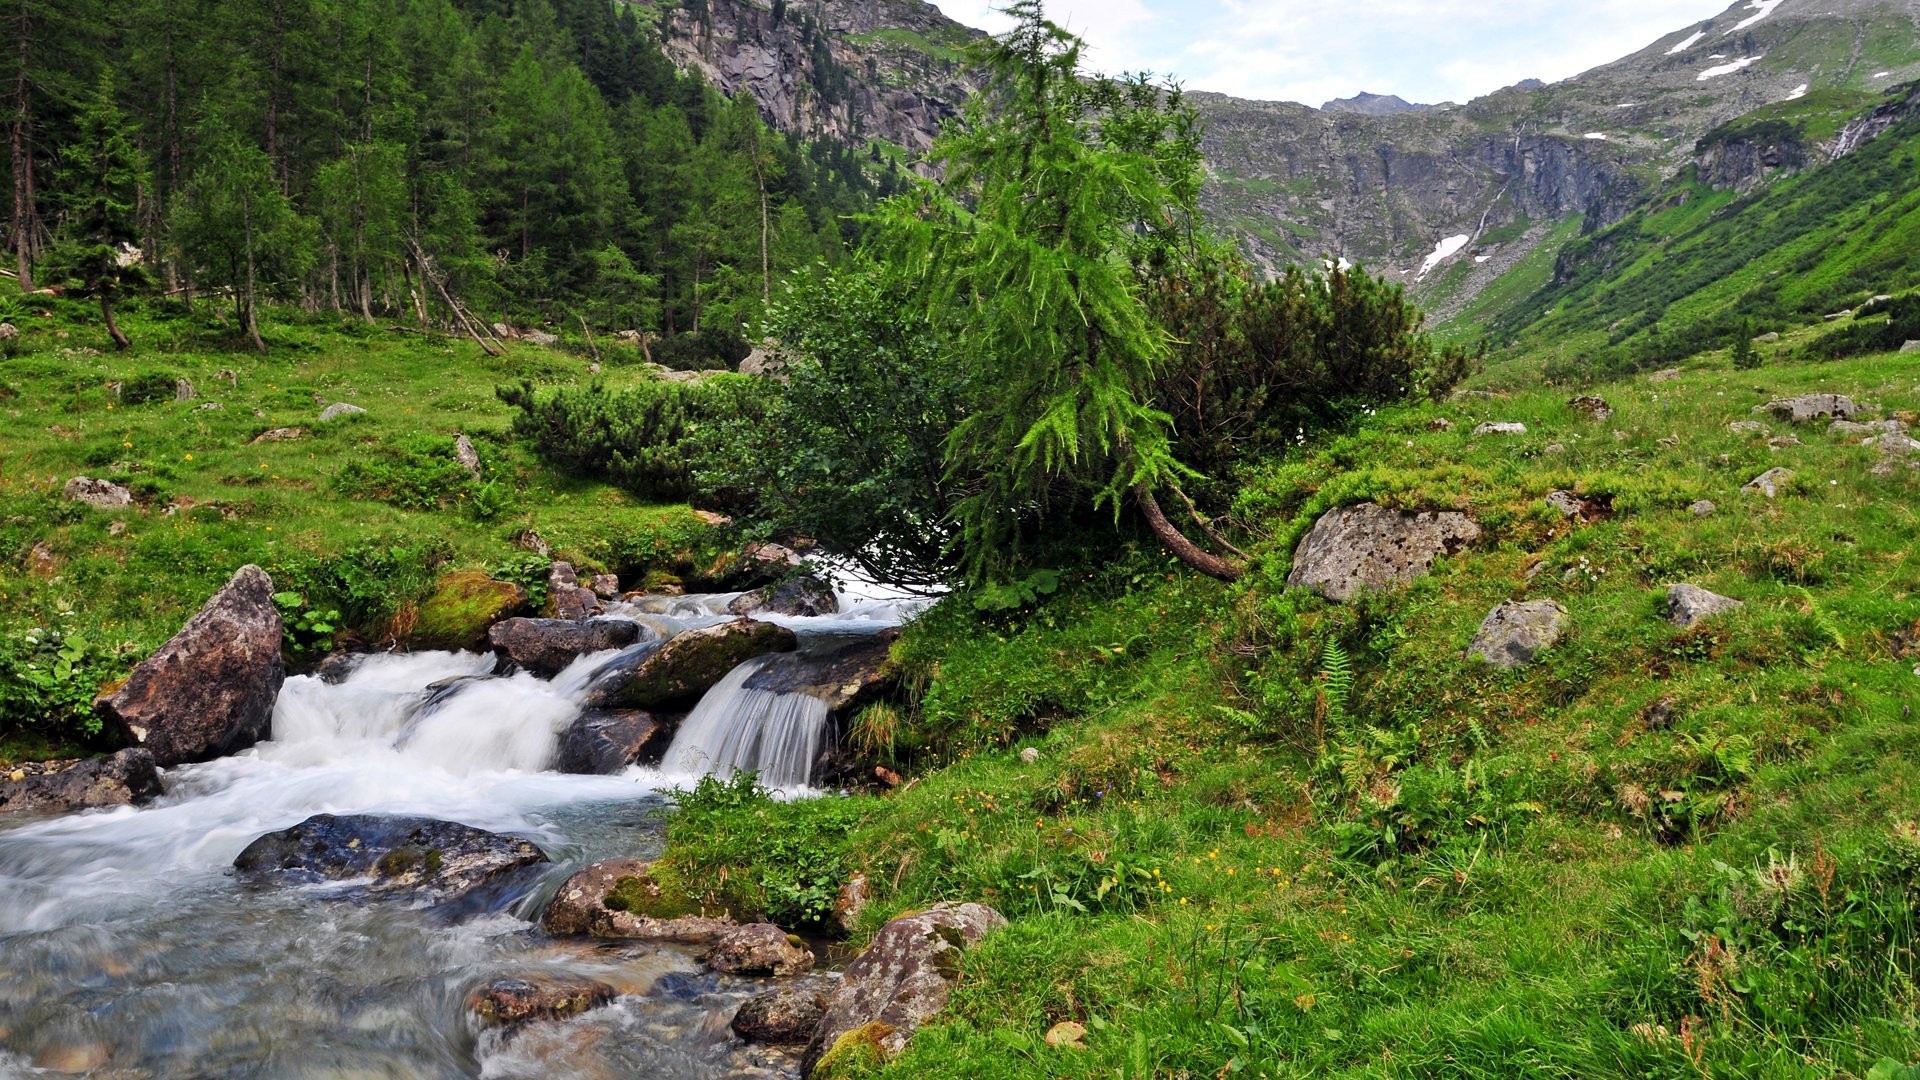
point(734, 728)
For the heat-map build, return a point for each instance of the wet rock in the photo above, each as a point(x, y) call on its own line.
point(605, 586)
point(844, 678)
point(565, 598)
point(1515, 634)
point(339, 409)
point(546, 646)
point(337, 667)
point(1371, 547)
point(759, 949)
point(512, 1001)
point(1688, 604)
point(1500, 429)
point(606, 743)
point(1703, 508)
point(210, 690)
point(1770, 482)
point(99, 494)
point(783, 1017)
point(801, 595)
point(1810, 407)
point(283, 434)
point(414, 857)
point(462, 609)
point(1595, 407)
point(601, 901)
point(903, 978)
point(59, 787)
point(686, 667)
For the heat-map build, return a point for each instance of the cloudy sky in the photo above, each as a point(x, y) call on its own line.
point(1313, 50)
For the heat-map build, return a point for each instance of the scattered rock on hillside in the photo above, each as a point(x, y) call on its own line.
point(528, 540)
point(183, 390)
point(1849, 429)
point(1910, 347)
point(1371, 547)
point(413, 857)
point(512, 1001)
point(1784, 442)
point(1665, 375)
point(1770, 482)
point(210, 690)
point(1592, 405)
point(466, 456)
point(1500, 429)
point(1809, 407)
point(546, 646)
point(1515, 633)
point(801, 595)
point(462, 609)
point(1895, 449)
point(1747, 427)
point(582, 907)
point(59, 787)
point(280, 434)
point(8, 332)
point(1767, 338)
point(686, 667)
point(1703, 508)
point(339, 409)
point(541, 338)
point(606, 743)
point(99, 494)
point(784, 1017)
point(902, 979)
point(1576, 508)
point(211, 406)
point(1688, 604)
point(1439, 423)
point(759, 949)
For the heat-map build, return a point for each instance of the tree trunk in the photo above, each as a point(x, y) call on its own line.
point(106, 312)
point(766, 262)
point(1176, 541)
point(23, 160)
point(251, 319)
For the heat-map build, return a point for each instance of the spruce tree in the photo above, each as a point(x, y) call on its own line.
point(102, 181)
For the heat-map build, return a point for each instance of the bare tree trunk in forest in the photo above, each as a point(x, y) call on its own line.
point(333, 286)
point(23, 159)
point(766, 262)
point(1176, 541)
point(250, 317)
point(106, 312)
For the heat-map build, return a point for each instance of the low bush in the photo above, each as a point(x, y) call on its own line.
point(644, 438)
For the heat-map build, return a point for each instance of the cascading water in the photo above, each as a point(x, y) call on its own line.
point(131, 950)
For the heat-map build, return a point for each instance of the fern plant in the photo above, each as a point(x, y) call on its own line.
point(1336, 688)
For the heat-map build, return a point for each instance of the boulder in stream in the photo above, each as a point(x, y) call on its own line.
point(800, 595)
point(844, 678)
point(413, 857)
point(759, 949)
point(783, 1017)
point(517, 1000)
point(546, 646)
point(464, 606)
point(606, 743)
point(209, 691)
point(618, 899)
point(1371, 547)
point(679, 672)
point(59, 787)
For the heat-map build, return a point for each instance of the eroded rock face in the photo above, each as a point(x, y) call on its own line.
point(804, 595)
point(209, 691)
point(1371, 547)
point(1688, 604)
point(677, 673)
point(99, 494)
point(60, 787)
point(546, 646)
point(903, 978)
point(580, 907)
point(414, 857)
point(1515, 634)
point(783, 1017)
point(759, 949)
point(606, 743)
point(512, 1001)
point(1810, 407)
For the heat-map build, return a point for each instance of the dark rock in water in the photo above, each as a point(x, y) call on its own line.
point(414, 857)
point(617, 899)
point(843, 678)
point(209, 691)
point(680, 671)
point(903, 978)
point(802, 595)
point(783, 1017)
point(507, 1002)
point(546, 646)
point(605, 743)
point(759, 949)
point(338, 667)
point(566, 599)
point(58, 787)
point(1371, 547)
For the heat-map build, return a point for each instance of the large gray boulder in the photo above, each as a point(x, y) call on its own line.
point(1810, 407)
point(209, 691)
point(416, 858)
point(59, 787)
point(903, 978)
point(546, 646)
point(606, 743)
point(680, 672)
point(339, 409)
point(1688, 604)
point(1371, 547)
point(618, 899)
point(1516, 633)
point(99, 494)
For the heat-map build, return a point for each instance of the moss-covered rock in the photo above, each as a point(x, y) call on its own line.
point(679, 672)
point(464, 605)
point(854, 1053)
point(633, 900)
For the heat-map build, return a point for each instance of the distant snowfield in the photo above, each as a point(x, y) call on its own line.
point(1727, 69)
point(1447, 249)
point(1599, 136)
point(1881, 74)
point(1764, 7)
point(1687, 44)
point(1482, 258)
point(1799, 92)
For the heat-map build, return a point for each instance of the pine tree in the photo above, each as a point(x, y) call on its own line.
point(234, 228)
point(101, 183)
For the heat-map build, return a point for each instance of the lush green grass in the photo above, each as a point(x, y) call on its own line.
point(1224, 863)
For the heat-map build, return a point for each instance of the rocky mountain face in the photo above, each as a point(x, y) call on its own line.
point(1372, 105)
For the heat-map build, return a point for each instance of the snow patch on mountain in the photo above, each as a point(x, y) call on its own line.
point(1764, 7)
point(1687, 44)
point(1799, 92)
point(1445, 250)
point(1598, 136)
point(1727, 69)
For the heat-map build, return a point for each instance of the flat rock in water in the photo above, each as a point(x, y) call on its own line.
point(1809, 407)
point(903, 978)
point(99, 494)
point(1515, 634)
point(60, 787)
point(209, 691)
point(606, 743)
point(1688, 604)
point(843, 678)
point(784, 1017)
point(412, 857)
point(580, 907)
point(1770, 482)
point(759, 949)
point(1371, 547)
point(511, 1001)
point(679, 672)
point(546, 646)
point(802, 595)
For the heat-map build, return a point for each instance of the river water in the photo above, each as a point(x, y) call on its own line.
point(129, 949)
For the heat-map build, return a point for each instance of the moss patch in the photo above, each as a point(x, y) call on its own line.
point(463, 605)
point(854, 1053)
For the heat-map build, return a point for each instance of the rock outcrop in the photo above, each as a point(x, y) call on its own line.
point(1515, 634)
point(903, 978)
point(1688, 604)
point(416, 858)
point(1769, 483)
point(99, 494)
point(546, 646)
point(210, 690)
point(59, 787)
point(677, 673)
point(1810, 407)
point(1371, 547)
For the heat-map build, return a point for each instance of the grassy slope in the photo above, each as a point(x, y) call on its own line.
point(1478, 874)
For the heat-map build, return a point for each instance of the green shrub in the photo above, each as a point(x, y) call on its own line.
point(150, 386)
point(49, 677)
point(782, 860)
point(642, 438)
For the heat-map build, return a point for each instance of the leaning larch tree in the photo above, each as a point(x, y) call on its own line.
point(1060, 194)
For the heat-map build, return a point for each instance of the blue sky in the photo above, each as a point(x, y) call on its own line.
point(1312, 50)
